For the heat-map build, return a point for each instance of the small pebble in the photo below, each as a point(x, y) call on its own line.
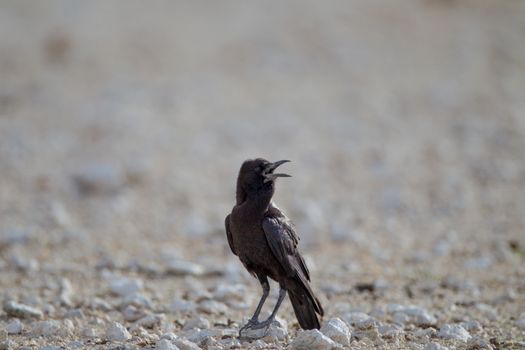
point(391, 331)
point(137, 300)
point(89, 332)
point(126, 286)
point(420, 317)
point(14, 309)
point(132, 313)
point(313, 340)
point(165, 344)
point(197, 322)
point(201, 337)
point(47, 328)
point(178, 267)
point(74, 313)
point(229, 292)
point(453, 332)
point(276, 330)
point(472, 326)
point(185, 344)
point(117, 332)
point(521, 323)
point(476, 343)
point(98, 178)
point(150, 321)
point(182, 306)
point(337, 330)
point(14, 327)
point(66, 293)
point(352, 318)
point(212, 307)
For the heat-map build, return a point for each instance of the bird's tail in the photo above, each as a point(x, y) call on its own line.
point(305, 304)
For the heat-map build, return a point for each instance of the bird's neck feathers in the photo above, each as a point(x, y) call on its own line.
point(240, 194)
point(258, 199)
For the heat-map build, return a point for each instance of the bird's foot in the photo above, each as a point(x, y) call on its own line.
point(264, 324)
point(251, 323)
point(254, 325)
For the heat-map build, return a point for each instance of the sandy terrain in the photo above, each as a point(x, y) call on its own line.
point(123, 126)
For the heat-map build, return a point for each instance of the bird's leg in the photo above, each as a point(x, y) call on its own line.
point(268, 322)
point(255, 318)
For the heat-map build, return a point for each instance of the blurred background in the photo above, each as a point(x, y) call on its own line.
point(123, 126)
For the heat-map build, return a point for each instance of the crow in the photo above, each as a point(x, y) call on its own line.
point(265, 241)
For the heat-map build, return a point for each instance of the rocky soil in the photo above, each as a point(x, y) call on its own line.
point(123, 125)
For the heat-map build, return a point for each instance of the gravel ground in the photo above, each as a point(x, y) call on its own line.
point(123, 125)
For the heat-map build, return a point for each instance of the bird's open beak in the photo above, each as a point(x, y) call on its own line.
point(268, 171)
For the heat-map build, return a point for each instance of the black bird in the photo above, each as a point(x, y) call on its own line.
point(265, 241)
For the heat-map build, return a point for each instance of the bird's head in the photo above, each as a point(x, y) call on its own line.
point(257, 175)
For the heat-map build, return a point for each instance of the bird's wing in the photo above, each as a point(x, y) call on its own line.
point(229, 234)
point(283, 241)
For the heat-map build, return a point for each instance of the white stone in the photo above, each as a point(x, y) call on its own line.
point(98, 178)
point(454, 332)
point(14, 327)
point(391, 331)
point(369, 323)
point(401, 318)
point(169, 335)
point(74, 313)
point(276, 329)
point(228, 292)
point(100, 304)
point(138, 300)
point(476, 343)
point(337, 330)
point(521, 323)
point(202, 336)
point(149, 321)
point(313, 340)
point(132, 313)
point(197, 322)
point(24, 264)
point(229, 343)
point(66, 292)
point(179, 267)
point(182, 306)
point(47, 328)
point(69, 325)
point(355, 317)
point(117, 332)
point(472, 326)
point(419, 316)
point(126, 286)
point(185, 344)
point(435, 346)
point(212, 307)
point(393, 308)
point(165, 344)
point(488, 311)
point(89, 332)
point(21, 310)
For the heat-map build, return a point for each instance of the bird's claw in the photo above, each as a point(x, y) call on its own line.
point(252, 324)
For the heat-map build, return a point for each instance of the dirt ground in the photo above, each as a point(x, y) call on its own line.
point(123, 126)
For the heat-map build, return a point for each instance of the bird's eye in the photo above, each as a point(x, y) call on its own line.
point(258, 169)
